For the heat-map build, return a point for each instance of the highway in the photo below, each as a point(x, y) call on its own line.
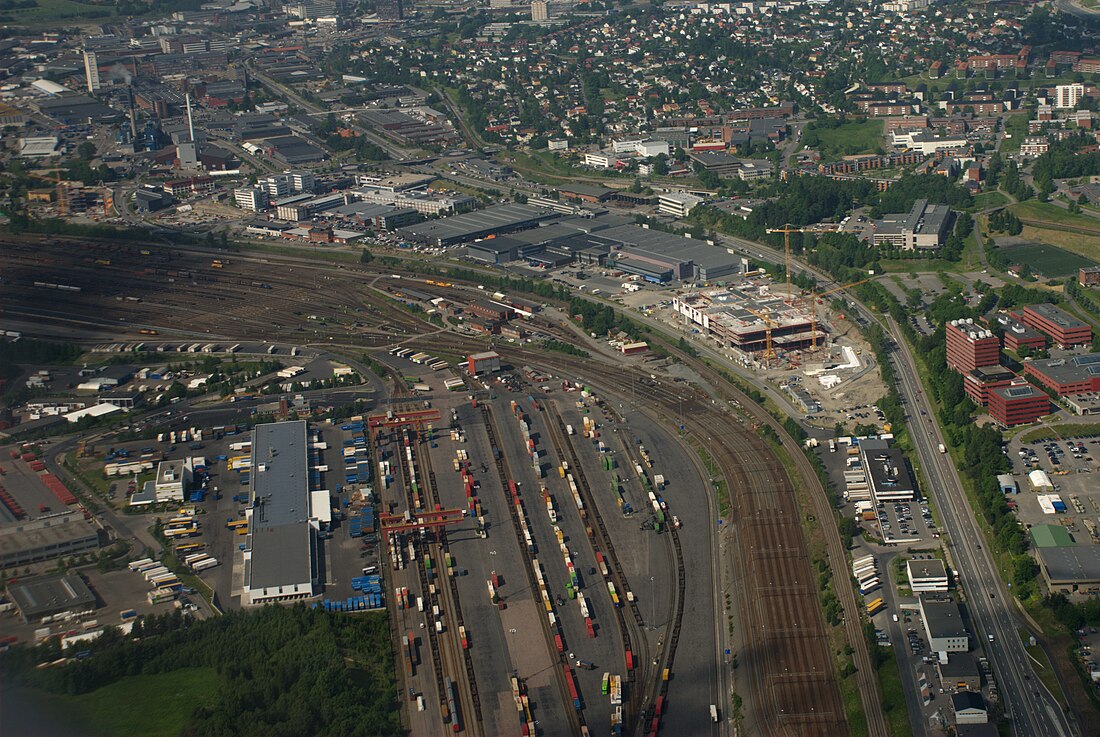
point(1032, 709)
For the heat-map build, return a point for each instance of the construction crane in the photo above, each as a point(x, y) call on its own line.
point(813, 308)
point(769, 351)
point(420, 520)
point(786, 230)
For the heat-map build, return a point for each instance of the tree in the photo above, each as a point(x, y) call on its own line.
point(86, 151)
point(365, 257)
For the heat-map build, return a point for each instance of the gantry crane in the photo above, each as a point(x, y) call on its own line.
point(813, 308)
point(786, 230)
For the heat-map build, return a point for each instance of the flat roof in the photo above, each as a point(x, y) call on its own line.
point(886, 466)
point(1068, 370)
point(1018, 329)
point(44, 533)
point(1059, 317)
point(471, 225)
point(1051, 536)
point(1077, 564)
point(942, 617)
point(281, 546)
point(926, 568)
point(43, 596)
point(992, 373)
point(1018, 391)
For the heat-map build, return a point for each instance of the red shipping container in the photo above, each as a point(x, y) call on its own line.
point(629, 660)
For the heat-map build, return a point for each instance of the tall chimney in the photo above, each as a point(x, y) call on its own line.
point(190, 122)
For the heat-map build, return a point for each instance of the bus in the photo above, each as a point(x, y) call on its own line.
point(875, 607)
point(235, 523)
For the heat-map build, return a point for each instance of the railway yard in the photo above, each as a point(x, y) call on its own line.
point(551, 551)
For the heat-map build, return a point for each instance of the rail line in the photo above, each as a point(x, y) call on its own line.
point(576, 715)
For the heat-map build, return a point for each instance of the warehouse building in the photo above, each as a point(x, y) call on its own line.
point(46, 538)
point(969, 708)
point(943, 624)
point(1067, 567)
point(52, 595)
point(281, 563)
point(471, 226)
point(1064, 376)
point(1064, 329)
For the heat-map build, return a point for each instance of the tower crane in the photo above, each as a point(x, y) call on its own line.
point(769, 351)
point(786, 230)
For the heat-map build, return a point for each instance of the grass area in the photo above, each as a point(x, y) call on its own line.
point(1085, 245)
point(1042, 666)
point(1061, 431)
point(1045, 259)
point(1045, 212)
point(920, 265)
point(893, 698)
point(721, 490)
point(142, 706)
point(847, 139)
point(1016, 126)
point(986, 200)
point(51, 11)
point(853, 707)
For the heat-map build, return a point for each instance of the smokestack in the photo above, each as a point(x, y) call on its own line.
point(190, 122)
point(133, 116)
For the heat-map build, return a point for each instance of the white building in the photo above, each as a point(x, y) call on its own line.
point(927, 576)
point(677, 204)
point(173, 479)
point(647, 149)
point(927, 142)
point(91, 71)
point(302, 181)
point(943, 624)
point(1068, 95)
point(601, 160)
point(251, 198)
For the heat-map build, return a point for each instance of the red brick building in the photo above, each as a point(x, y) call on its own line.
point(1018, 336)
point(981, 381)
point(970, 346)
point(1065, 376)
point(1064, 329)
point(1018, 404)
point(491, 311)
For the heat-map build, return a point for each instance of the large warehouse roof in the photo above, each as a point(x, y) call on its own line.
point(1050, 536)
point(473, 225)
point(1079, 564)
point(41, 597)
point(281, 545)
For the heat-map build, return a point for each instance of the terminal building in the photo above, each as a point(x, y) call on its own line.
point(970, 346)
point(281, 562)
point(1064, 329)
point(1065, 376)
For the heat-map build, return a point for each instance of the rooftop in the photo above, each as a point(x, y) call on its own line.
point(942, 617)
point(1051, 536)
point(42, 596)
point(927, 568)
point(1068, 370)
point(1059, 317)
point(1078, 564)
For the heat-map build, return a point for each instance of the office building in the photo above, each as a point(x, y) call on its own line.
point(924, 227)
point(970, 346)
point(677, 204)
point(173, 480)
point(539, 10)
point(887, 473)
point(1065, 376)
point(251, 198)
point(1064, 329)
point(1088, 276)
point(1018, 336)
point(978, 383)
point(927, 575)
point(1017, 404)
point(943, 624)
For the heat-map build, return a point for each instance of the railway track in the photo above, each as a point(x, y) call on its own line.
point(576, 715)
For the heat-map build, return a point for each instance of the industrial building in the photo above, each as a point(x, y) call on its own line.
point(281, 563)
point(1017, 404)
point(1064, 329)
point(1063, 376)
point(469, 227)
point(969, 708)
point(943, 624)
point(887, 473)
point(970, 346)
point(483, 363)
point(51, 595)
point(928, 575)
point(46, 538)
point(1066, 567)
point(924, 227)
point(743, 322)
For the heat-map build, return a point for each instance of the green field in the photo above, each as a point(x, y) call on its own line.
point(141, 706)
point(847, 139)
point(986, 200)
point(51, 11)
point(1045, 259)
